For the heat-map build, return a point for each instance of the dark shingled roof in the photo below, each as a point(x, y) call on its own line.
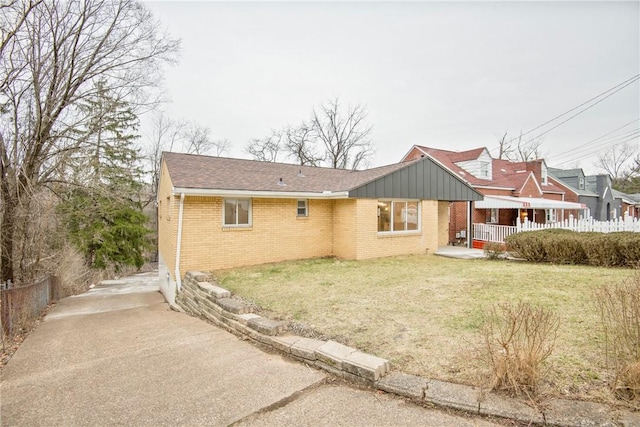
point(219, 173)
point(418, 179)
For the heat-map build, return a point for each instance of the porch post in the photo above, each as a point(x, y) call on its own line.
point(470, 224)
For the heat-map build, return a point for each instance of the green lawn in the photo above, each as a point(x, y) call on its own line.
point(423, 312)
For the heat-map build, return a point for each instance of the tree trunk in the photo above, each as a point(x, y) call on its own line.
point(7, 229)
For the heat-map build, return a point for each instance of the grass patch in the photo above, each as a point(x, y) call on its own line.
point(423, 313)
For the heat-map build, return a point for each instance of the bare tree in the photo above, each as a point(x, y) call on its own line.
point(619, 162)
point(49, 67)
point(344, 134)
point(300, 145)
point(333, 137)
point(519, 150)
point(505, 148)
point(221, 146)
point(266, 149)
point(165, 135)
point(13, 14)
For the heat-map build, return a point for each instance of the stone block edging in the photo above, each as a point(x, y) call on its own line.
point(202, 297)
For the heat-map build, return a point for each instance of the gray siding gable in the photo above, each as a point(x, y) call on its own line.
point(423, 179)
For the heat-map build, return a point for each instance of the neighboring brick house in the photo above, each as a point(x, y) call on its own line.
point(630, 203)
point(218, 213)
point(596, 191)
point(512, 191)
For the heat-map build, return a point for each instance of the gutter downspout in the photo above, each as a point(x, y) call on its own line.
point(179, 244)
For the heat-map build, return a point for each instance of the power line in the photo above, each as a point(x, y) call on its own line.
point(600, 144)
point(598, 138)
point(611, 144)
point(585, 109)
point(615, 89)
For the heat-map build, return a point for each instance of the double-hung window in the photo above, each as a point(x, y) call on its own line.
point(398, 216)
point(237, 212)
point(303, 207)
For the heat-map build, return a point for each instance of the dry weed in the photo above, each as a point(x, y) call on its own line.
point(518, 338)
point(619, 308)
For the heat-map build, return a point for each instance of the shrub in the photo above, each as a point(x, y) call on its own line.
point(570, 247)
point(628, 247)
point(619, 309)
point(564, 248)
point(528, 245)
point(518, 338)
point(494, 250)
point(601, 249)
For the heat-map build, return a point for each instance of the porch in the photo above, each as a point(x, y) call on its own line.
point(483, 233)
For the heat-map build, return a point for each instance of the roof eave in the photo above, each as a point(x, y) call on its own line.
point(260, 194)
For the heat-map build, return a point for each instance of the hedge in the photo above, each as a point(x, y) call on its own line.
point(569, 247)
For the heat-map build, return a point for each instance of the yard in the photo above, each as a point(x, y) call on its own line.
point(423, 312)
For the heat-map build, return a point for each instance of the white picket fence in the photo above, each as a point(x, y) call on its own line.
point(621, 224)
point(497, 233)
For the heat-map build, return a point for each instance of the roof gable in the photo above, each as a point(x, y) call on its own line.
point(423, 179)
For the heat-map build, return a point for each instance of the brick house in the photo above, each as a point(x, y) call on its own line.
point(630, 203)
point(218, 213)
point(513, 191)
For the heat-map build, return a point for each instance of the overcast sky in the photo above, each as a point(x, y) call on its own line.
point(450, 75)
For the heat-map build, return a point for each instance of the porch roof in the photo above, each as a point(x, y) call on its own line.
point(508, 202)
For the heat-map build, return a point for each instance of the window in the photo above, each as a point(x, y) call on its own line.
point(550, 215)
point(544, 175)
point(494, 216)
point(581, 183)
point(303, 208)
point(484, 169)
point(398, 216)
point(237, 212)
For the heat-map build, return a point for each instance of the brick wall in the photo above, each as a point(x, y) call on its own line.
point(343, 228)
point(167, 220)
point(530, 188)
point(276, 233)
point(345, 220)
point(371, 244)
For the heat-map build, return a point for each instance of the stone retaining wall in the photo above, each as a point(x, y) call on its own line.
point(201, 297)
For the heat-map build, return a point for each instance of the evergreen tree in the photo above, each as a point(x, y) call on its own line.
point(102, 214)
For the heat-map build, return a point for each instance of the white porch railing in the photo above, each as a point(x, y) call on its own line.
point(621, 224)
point(497, 233)
point(492, 232)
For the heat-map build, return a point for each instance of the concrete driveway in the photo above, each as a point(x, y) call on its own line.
point(117, 355)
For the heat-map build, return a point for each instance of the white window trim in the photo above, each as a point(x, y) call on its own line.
point(484, 169)
point(419, 213)
point(492, 219)
point(551, 216)
point(306, 208)
point(544, 175)
point(236, 225)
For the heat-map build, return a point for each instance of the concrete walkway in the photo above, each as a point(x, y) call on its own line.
point(461, 252)
point(117, 355)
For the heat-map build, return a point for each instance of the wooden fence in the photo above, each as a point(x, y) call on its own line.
point(24, 304)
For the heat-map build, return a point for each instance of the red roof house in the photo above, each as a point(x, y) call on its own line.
point(513, 191)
